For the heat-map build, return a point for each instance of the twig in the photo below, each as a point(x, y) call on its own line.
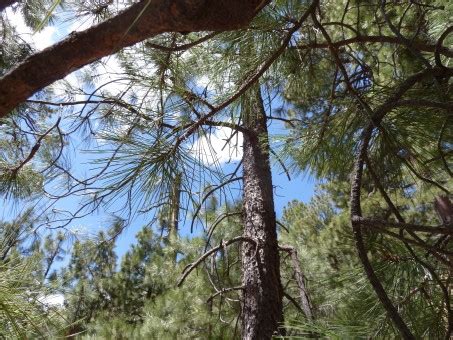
point(223, 291)
point(188, 269)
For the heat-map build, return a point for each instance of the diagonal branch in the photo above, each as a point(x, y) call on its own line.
point(300, 279)
point(140, 21)
point(255, 76)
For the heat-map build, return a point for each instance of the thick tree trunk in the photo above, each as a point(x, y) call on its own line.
point(262, 298)
point(140, 21)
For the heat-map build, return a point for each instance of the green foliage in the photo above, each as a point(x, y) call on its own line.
point(142, 135)
point(344, 303)
point(26, 306)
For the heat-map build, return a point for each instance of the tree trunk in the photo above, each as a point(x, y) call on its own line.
point(174, 214)
point(262, 310)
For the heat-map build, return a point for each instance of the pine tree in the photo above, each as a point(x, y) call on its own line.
point(363, 88)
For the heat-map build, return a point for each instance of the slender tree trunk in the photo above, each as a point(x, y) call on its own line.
point(174, 213)
point(262, 298)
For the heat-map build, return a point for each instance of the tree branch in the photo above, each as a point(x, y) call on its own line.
point(188, 269)
point(300, 279)
point(137, 23)
point(377, 39)
point(399, 225)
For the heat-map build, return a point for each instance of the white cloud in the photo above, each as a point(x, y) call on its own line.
point(79, 26)
point(219, 147)
point(52, 300)
point(40, 40)
point(202, 81)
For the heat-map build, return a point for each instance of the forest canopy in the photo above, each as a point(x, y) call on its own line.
point(175, 120)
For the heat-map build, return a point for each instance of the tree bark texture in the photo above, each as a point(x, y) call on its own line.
point(140, 21)
point(263, 292)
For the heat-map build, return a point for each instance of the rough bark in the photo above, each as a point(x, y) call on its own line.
point(444, 208)
point(138, 22)
point(262, 289)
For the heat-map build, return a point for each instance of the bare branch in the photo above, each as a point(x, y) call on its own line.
point(223, 291)
point(223, 244)
point(300, 279)
point(379, 224)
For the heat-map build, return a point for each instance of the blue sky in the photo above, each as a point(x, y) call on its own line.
point(300, 187)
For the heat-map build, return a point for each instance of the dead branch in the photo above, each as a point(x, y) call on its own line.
point(300, 279)
point(223, 244)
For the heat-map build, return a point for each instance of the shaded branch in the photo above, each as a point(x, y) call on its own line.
point(368, 222)
point(377, 39)
point(183, 47)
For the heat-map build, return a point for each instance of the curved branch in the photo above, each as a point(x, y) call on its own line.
point(439, 46)
point(223, 291)
point(209, 193)
point(193, 265)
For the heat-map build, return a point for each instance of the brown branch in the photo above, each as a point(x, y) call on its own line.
point(216, 223)
point(300, 279)
point(254, 77)
point(368, 222)
point(440, 254)
point(188, 269)
point(183, 47)
point(137, 23)
point(33, 150)
point(293, 301)
point(377, 39)
point(439, 46)
point(356, 185)
point(208, 194)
